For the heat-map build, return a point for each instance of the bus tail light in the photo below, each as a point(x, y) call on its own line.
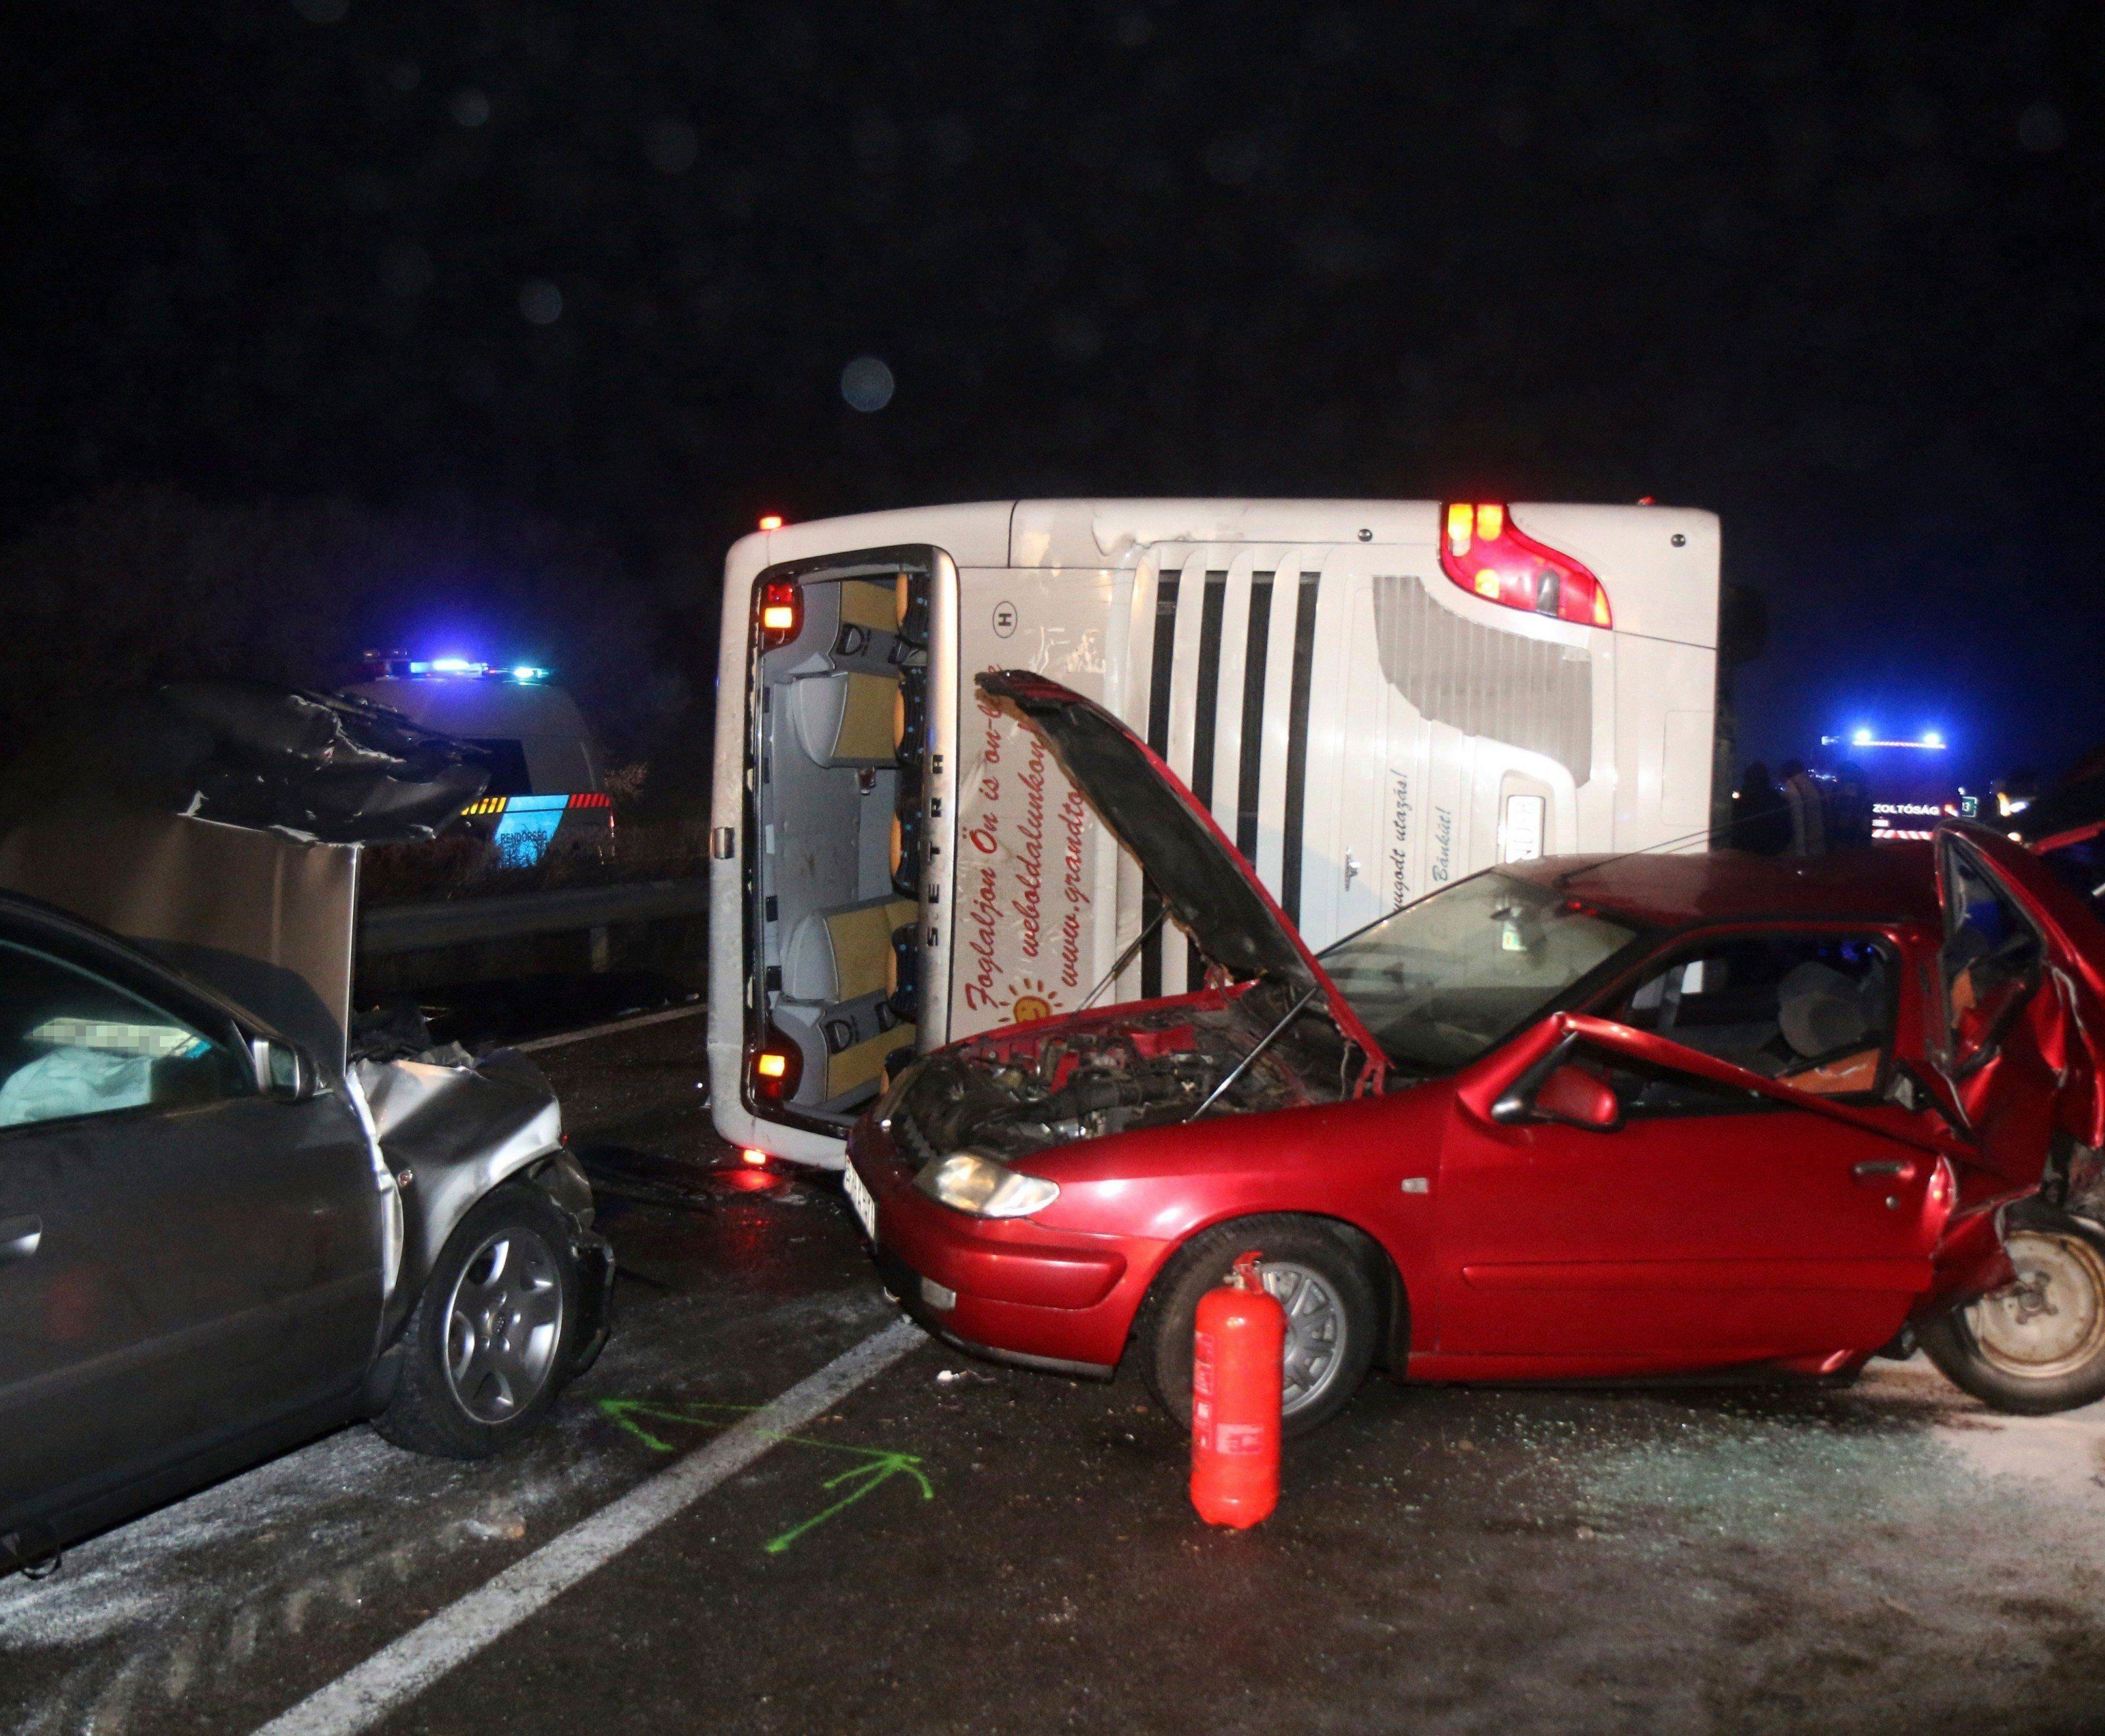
point(1483, 551)
point(781, 612)
point(778, 1068)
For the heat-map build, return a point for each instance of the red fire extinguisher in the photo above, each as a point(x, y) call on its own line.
point(1234, 1399)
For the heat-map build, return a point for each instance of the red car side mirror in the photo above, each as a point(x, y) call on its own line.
point(1570, 1094)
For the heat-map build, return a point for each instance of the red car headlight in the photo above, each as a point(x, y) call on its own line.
point(985, 1188)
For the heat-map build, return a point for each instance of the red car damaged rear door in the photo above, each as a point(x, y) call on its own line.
point(1725, 1218)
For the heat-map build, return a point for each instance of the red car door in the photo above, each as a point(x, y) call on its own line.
point(1723, 1218)
point(2018, 1028)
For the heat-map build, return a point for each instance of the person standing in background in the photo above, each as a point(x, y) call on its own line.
point(1849, 810)
point(1761, 822)
point(1808, 811)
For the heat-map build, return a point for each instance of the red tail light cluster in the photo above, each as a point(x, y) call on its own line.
point(781, 612)
point(1484, 553)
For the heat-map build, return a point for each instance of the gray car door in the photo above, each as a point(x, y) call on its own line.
point(182, 1257)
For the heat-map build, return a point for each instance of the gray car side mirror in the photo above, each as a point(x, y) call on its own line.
point(284, 1071)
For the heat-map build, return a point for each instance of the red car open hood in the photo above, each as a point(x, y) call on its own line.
point(1208, 886)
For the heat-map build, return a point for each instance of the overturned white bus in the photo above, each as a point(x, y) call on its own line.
point(1372, 697)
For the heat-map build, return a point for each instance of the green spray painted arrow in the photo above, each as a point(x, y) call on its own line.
point(879, 1465)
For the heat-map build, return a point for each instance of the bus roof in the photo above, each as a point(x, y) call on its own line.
point(1893, 883)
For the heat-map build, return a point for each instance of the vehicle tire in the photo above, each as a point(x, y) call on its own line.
point(1322, 1281)
point(2037, 1346)
point(489, 1343)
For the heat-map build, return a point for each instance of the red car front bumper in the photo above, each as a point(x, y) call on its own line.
point(1062, 1299)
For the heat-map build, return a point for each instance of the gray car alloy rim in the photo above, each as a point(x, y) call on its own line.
point(1314, 1347)
point(2051, 1323)
point(503, 1322)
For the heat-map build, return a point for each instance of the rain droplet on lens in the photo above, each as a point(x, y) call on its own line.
point(671, 145)
point(866, 383)
point(469, 106)
point(2042, 128)
point(541, 301)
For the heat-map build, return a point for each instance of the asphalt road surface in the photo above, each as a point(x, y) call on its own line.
point(949, 1547)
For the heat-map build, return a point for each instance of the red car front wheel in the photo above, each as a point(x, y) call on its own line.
point(1333, 1315)
point(2038, 1345)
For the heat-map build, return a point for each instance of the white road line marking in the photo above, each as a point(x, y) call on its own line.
point(397, 1673)
point(637, 1023)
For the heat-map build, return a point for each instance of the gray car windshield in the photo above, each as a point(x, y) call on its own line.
point(1443, 980)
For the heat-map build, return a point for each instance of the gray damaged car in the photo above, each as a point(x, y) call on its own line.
point(228, 1219)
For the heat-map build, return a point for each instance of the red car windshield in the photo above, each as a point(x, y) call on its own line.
point(1443, 981)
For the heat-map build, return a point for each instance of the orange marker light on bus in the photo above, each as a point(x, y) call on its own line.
point(770, 522)
point(1459, 518)
point(777, 1069)
point(752, 1157)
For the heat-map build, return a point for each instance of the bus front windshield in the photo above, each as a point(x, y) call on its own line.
point(1442, 980)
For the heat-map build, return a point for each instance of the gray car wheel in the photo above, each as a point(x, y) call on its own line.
point(488, 1345)
point(504, 1323)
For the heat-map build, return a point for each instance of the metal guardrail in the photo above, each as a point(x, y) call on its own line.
point(414, 927)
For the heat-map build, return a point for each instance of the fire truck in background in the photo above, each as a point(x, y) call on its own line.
point(1373, 698)
point(1908, 781)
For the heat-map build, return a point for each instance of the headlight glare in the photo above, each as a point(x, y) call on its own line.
point(967, 1181)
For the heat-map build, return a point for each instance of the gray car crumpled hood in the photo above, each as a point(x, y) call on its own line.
point(451, 1134)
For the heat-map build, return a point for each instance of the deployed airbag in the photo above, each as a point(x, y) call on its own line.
point(75, 1081)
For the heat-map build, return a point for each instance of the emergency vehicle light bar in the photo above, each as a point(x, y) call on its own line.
point(394, 665)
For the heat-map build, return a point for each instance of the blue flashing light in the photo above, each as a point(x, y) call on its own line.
point(1932, 739)
point(454, 666)
point(527, 672)
point(1862, 738)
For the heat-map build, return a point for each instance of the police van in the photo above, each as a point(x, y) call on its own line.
point(1373, 698)
point(547, 776)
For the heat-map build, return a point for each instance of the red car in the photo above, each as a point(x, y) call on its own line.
point(1579, 1118)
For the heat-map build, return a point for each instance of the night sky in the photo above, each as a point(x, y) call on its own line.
point(1832, 270)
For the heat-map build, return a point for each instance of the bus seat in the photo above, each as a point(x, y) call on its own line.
point(842, 954)
point(844, 719)
point(868, 604)
point(862, 1063)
